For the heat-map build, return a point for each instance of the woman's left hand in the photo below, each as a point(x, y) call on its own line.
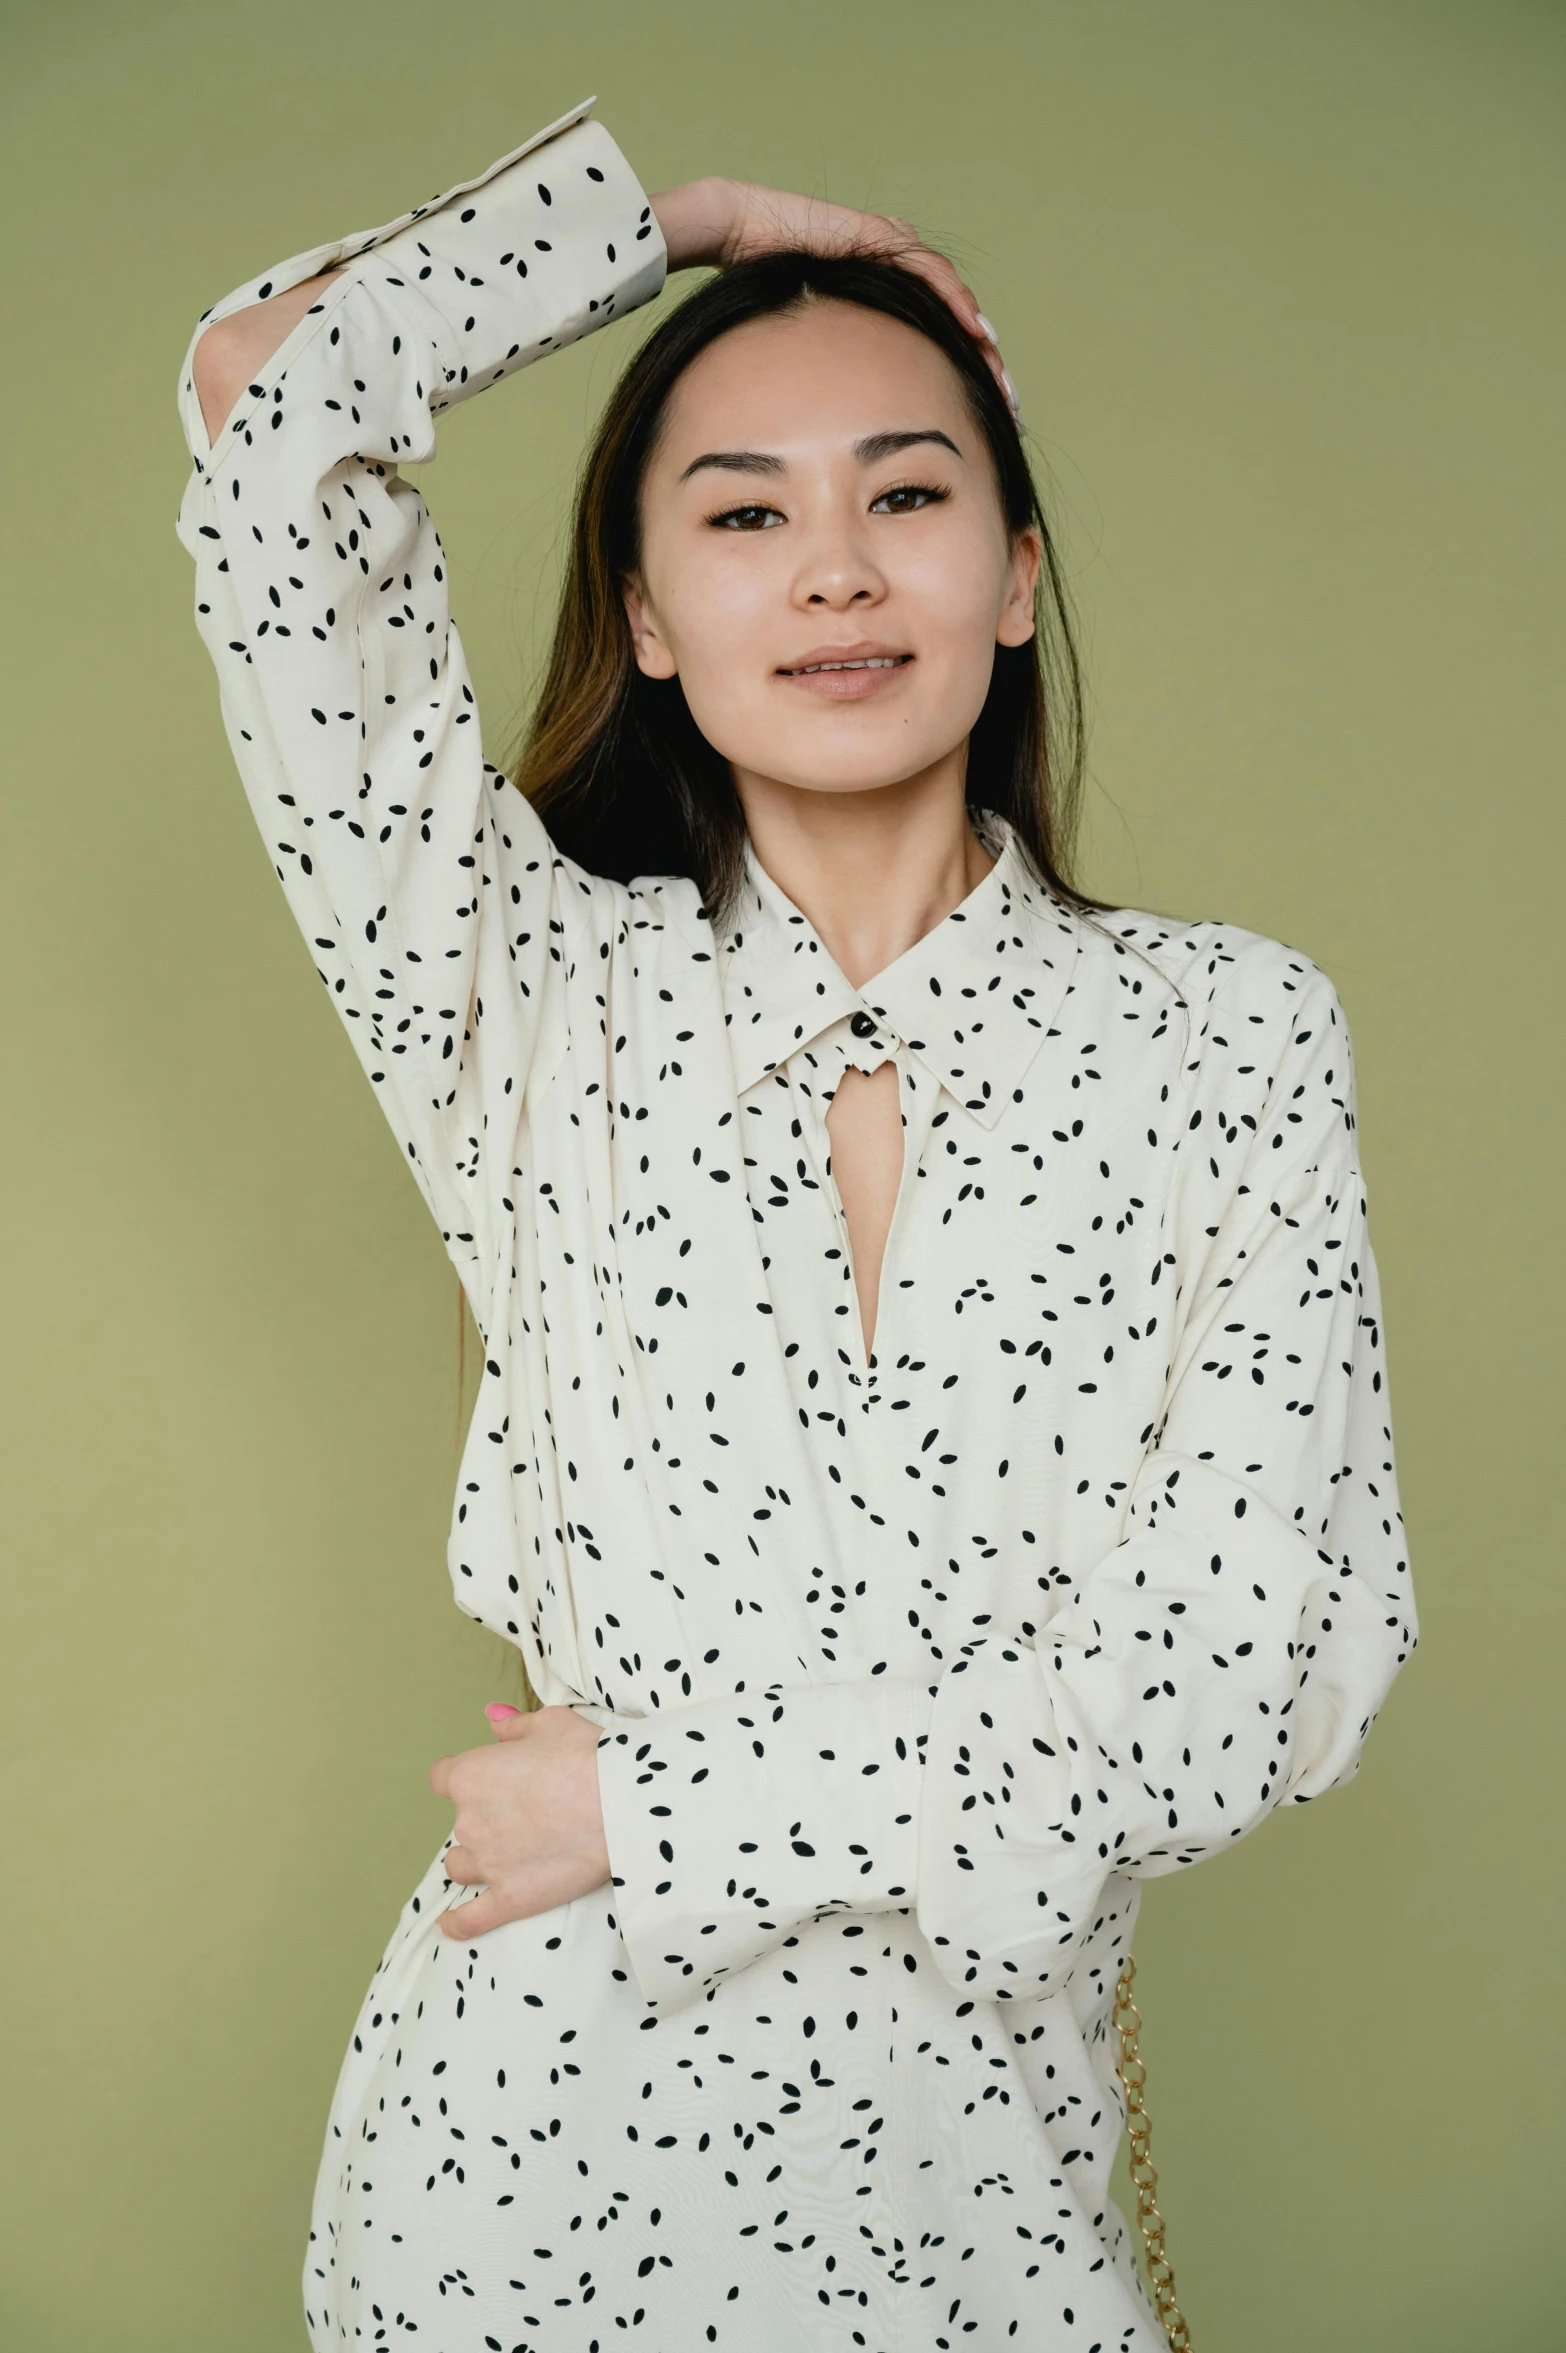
point(529, 1828)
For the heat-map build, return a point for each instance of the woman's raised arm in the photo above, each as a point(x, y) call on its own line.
point(436, 908)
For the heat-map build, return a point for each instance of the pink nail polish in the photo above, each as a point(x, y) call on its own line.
point(497, 1711)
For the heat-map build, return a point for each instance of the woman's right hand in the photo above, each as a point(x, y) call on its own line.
point(717, 222)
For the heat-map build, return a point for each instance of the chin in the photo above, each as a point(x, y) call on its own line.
point(871, 760)
point(841, 776)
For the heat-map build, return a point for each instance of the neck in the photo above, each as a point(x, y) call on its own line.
point(872, 871)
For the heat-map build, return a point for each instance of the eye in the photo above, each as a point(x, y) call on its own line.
point(907, 498)
point(747, 518)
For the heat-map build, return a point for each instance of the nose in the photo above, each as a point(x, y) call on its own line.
point(838, 568)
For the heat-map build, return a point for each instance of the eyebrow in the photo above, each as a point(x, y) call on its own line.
point(868, 452)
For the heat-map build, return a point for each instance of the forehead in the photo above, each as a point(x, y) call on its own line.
point(832, 372)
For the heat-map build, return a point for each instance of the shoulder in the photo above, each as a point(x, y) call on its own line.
point(659, 917)
point(1213, 966)
point(1262, 1037)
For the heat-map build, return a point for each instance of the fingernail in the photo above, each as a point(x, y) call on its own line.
point(986, 329)
point(497, 1711)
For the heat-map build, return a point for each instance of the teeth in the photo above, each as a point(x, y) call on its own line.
point(878, 662)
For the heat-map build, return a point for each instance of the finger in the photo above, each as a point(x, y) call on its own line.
point(961, 299)
point(954, 291)
point(461, 1867)
point(962, 302)
point(880, 232)
point(992, 352)
point(473, 1920)
point(938, 272)
point(449, 1775)
point(512, 1725)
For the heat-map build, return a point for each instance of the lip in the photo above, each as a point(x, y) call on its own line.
point(846, 685)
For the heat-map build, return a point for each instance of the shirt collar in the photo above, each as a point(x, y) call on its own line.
point(973, 999)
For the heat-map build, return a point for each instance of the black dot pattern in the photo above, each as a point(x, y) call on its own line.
point(910, 1667)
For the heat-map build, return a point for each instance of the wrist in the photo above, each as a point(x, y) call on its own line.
point(697, 221)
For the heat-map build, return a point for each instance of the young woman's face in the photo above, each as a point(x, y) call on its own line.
point(820, 495)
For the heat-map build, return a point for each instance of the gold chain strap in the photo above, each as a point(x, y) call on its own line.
point(1133, 2076)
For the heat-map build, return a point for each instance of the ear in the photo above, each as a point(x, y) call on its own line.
point(1016, 622)
point(654, 656)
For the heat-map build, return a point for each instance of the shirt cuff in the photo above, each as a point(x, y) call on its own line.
point(546, 248)
point(731, 1823)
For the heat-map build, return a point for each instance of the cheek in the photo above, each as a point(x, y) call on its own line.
point(719, 604)
point(951, 589)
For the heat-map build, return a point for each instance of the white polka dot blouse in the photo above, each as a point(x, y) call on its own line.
point(911, 1666)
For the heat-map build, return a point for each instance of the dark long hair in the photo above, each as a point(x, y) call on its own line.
point(613, 761)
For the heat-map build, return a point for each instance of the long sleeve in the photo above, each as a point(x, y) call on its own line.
point(731, 1822)
point(1227, 1655)
point(434, 904)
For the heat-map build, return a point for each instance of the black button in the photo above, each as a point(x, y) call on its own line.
point(863, 1025)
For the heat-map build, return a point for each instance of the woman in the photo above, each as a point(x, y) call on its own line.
point(933, 1454)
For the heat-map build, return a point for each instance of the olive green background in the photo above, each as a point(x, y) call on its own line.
point(1276, 285)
